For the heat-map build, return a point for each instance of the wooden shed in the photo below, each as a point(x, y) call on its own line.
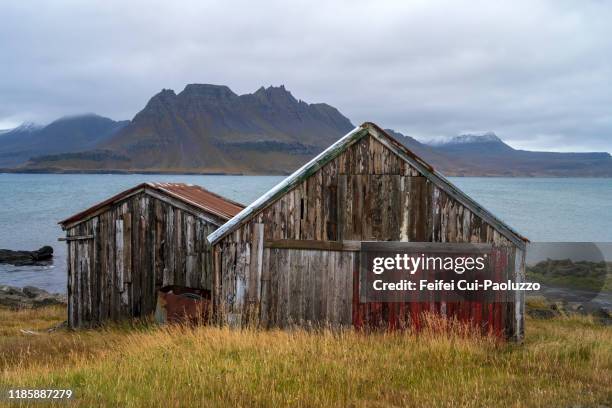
point(122, 250)
point(292, 256)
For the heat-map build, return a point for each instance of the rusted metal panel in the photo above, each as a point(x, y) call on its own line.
point(488, 317)
point(201, 198)
point(493, 317)
point(179, 304)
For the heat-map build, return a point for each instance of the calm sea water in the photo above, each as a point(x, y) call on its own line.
point(31, 205)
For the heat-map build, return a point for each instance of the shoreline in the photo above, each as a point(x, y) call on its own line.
point(213, 173)
point(121, 172)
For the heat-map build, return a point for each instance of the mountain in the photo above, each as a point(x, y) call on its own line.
point(472, 144)
point(209, 128)
point(466, 138)
point(68, 134)
point(488, 155)
point(447, 164)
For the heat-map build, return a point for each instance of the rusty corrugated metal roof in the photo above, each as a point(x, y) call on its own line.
point(194, 196)
point(201, 198)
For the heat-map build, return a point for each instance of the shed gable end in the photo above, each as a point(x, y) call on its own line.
point(368, 192)
point(367, 150)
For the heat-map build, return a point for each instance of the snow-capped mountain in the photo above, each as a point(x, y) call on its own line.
point(484, 137)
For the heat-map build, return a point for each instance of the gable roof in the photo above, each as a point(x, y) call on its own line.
point(194, 196)
point(334, 151)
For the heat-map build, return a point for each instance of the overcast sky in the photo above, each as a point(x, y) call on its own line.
point(539, 74)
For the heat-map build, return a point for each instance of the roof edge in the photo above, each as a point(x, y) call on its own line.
point(159, 188)
point(448, 187)
point(334, 150)
point(82, 215)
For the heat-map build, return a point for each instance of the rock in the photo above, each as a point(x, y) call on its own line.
point(10, 290)
point(575, 307)
point(605, 312)
point(30, 332)
point(542, 313)
point(43, 254)
point(32, 291)
point(558, 306)
point(20, 258)
point(29, 296)
point(59, 326)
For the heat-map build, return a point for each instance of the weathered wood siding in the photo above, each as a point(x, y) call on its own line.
point(366, 193)
point(136, 247)
point(297, 286)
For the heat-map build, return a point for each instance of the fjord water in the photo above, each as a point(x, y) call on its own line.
point(543, 209)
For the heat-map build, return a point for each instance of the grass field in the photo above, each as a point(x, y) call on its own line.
point(563, 362)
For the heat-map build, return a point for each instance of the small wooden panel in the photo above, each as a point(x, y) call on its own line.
point(76, 238)
point(351, 246)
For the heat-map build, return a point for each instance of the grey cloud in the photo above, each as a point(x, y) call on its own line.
point(536, 72)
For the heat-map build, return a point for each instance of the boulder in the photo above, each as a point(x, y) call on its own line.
point(43, 254)
point(27, 297)
point(32, 291)
point(542, 313)
point(558, 307)
point(19, 258)
point(575, 307)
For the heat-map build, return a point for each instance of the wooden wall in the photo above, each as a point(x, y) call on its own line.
point(296, 286)
point(367, 193)
point(118, 259)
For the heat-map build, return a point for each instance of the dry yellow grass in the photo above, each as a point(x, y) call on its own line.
point(563, 362)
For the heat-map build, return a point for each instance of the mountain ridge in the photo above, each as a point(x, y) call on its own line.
point(65, 135)
point(207, 128)
point(488, 155)
point(486, 137)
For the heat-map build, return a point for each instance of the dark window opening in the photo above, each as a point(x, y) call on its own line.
point(332, 213)
point(301, 209)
